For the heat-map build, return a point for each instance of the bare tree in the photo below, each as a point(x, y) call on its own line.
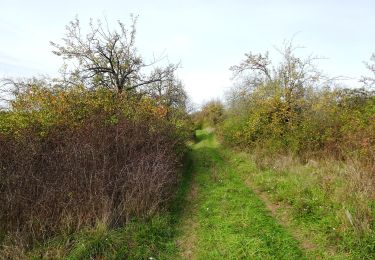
point(293, 75)
point(10, 88)
point(6, 93)
point(169, 92)
point(290, 82)
point(107, 58)
point(256, 63)
point(369, 81)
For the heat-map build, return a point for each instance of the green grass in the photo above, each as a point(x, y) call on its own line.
point(140, 239)
point(315, 198)
point(137, 240)
point(233, 222)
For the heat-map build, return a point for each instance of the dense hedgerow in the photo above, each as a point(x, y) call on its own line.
point(72, 158)
point(337, 123)
point(293, 108)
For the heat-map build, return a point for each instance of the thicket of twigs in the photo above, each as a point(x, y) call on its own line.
point(70, 159)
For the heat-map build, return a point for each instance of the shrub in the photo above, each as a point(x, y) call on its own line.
point(285, 109)
point(71, 158)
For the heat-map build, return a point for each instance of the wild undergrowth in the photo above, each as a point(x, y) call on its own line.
point(153, 237)
point(77, 159)
point(323, 205)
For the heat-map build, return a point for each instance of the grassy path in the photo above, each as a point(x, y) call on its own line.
point(223, 218)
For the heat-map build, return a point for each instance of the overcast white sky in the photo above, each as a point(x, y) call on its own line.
point(206, 36)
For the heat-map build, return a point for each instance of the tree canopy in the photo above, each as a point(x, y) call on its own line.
point(105, 57)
